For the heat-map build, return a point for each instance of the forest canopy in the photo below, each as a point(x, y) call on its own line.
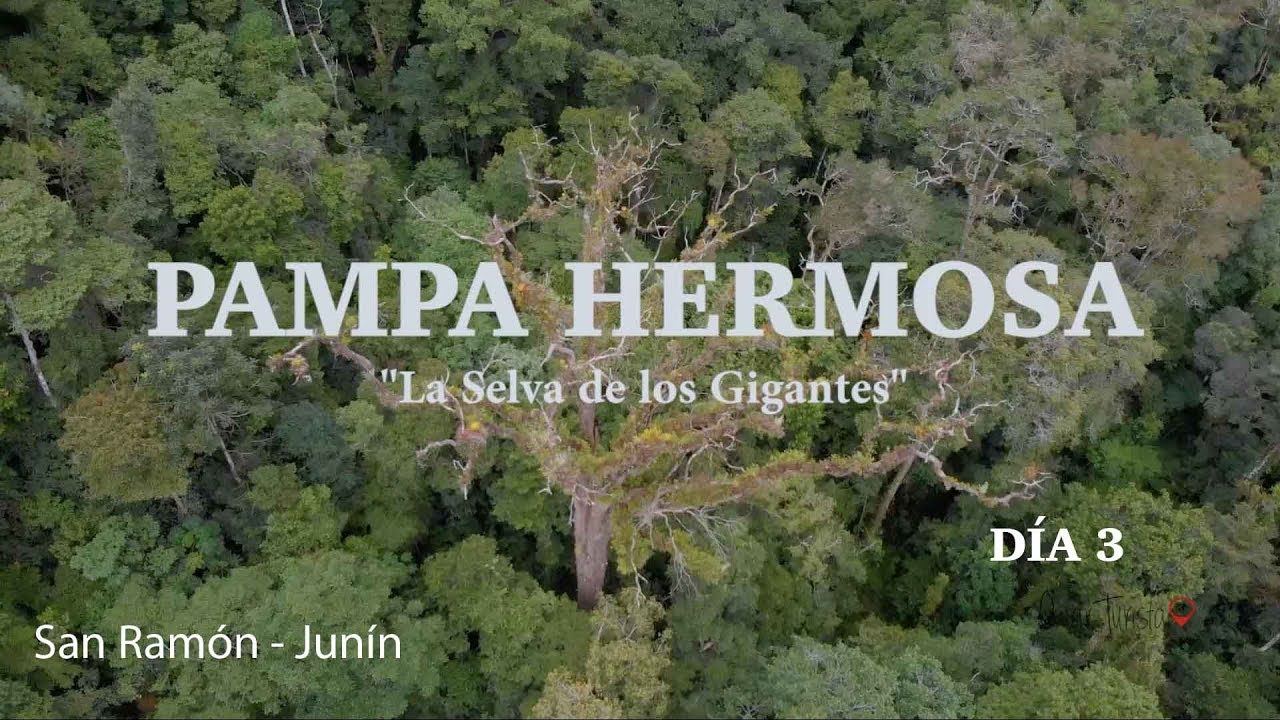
point(566, 559)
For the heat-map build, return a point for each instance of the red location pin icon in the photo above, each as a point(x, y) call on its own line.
point(1181, 609)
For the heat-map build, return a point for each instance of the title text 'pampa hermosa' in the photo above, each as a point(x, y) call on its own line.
point(756, 287)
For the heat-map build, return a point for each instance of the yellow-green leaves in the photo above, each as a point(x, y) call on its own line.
point(114, 438)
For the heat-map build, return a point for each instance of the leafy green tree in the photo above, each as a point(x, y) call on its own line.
point(1207, 687)
point(213, 12)
point(396, 495)
point(311, 436)
point(924, 690)
point(252, 224)
point(752, 37)
point(391, 25)
point(617, 472)
point(142, 198)
point(521, 637)
point(1239, 367)
point(125, 546)
point(994, 140)
point(840, 111)
point(265, 56)
point(1241, 564)
point(194, 123)
point(624, 666)
point(1166, 546)
point(116, 442)
point(61, 56)
point(49, 265)
point(810, 679)
point(758, 130)
point(198, 54)
point(1130, 455)
point(211, 394)
point(650, 84)
point(1096, 691)
point(13, 391)
point(302, 520)
point(976, 654)
point(569, 696)
point(482, 66)
point(17, 700)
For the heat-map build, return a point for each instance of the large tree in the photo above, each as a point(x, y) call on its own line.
point(647, 477)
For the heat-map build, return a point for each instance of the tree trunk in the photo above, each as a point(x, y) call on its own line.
point(1270, 643)
point(288, 23)
point(886, 501)
point(31, 351)
point(226, 454)
point(591, 532)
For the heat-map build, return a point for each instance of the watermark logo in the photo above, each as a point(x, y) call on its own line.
point(1181, 609)
point(1119, 614)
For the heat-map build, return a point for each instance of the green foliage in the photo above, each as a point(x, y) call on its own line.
point(839, 116)
point(49, 263)
point(649, 83)
point(1130, 455)
point(208, 392)
point(1166, 546)
point(810, 679)
point(19, 701)
point(757, 129)
point(461, 84)
point(309, 525)
point(523, 632)
point(119, 448)
point(213, 12)
point(198, 54)
point(997, 137)
point(263, 54)
point(1093, 692)
point(194, 121)
point(976, 654)
point(1207, 687)
point(312, 437)
point(249, 223)
point(924, 690)
point(13, 389)
point(61, 56)
point(123, 545)
point(624, 668)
